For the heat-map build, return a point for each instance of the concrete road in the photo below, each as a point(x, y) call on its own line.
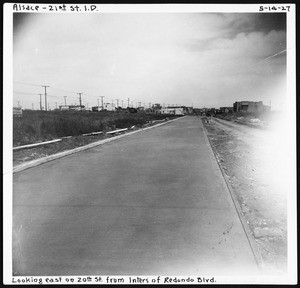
point(154, 203)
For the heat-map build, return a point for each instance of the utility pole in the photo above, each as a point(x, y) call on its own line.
point(80, 100)
point(102, 108)
point(65, 100)
point(45, 95)
point(41, 108)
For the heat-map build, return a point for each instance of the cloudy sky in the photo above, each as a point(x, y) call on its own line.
point(199, 59)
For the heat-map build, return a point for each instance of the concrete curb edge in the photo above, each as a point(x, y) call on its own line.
point(251, 240)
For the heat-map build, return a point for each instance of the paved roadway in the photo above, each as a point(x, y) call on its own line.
point(154, 203)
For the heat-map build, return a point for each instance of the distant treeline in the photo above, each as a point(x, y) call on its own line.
point(35, 126)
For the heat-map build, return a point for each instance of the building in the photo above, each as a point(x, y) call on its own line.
point(96, 108)
point(64, 107)
point(76, 107)
point(109, 107)
point(226, 109)
point(188, 110)
point(250, 106)
point(173, 110)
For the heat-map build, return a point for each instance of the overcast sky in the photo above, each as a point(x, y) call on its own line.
point(199, 59)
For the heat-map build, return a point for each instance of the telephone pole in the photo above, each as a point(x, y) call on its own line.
point(41, 108)
point(45, 86)
point(80, 100)
point(102, 108)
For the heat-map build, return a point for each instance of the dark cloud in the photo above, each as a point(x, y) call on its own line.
point(267, 22)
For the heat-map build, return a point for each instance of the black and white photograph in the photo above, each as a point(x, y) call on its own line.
point(149, 144)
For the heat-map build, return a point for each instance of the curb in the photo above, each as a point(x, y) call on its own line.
point(255, 250)
point(46, 159)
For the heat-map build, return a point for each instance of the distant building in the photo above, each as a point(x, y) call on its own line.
point(76, 107)
point(226, 109)
point(64, 107)
point(250, 106)
point(109, 107)
point(96, 108)
point(188, 110)
point(197, 111)
point(173, 110)
point(150, 110)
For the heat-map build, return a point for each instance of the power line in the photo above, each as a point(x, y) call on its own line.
point(25, 93)
point(64, 90)
point(27, 83)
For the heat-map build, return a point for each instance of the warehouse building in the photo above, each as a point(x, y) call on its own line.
point(250, 106)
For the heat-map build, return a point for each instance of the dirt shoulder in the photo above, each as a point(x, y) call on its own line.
point(253, 162)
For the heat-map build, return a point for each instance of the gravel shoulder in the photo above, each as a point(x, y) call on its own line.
point(254, 163)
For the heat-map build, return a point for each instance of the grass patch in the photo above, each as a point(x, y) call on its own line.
point(38, 126)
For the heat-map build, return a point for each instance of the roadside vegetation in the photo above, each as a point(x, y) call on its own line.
point(38, 126)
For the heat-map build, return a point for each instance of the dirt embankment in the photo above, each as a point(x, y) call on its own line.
point(254, 162)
